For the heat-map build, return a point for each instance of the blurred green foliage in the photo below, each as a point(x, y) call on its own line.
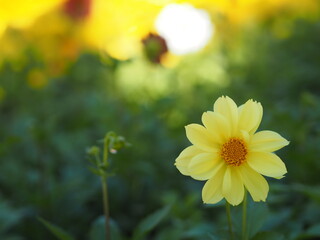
point(45, 133)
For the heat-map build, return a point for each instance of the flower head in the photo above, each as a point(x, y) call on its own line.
point(229, 153)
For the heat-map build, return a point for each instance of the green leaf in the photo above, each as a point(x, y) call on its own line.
point(268, 236)
point(9, 216)
point(211, 237)
point(198, 231)
point(169, 233)
point(277, 218)
point(314, 230)
point(56, 231)
point(96, 171)
point(311, 191)
point(11, 237)
point(150, 222)
point(98, 230)
point(258, 214)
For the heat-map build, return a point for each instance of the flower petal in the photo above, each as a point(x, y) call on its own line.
point(256, 185)
point(227, 107)
point(267, 141)
point(217, 126)
point(267, 164)
point(183, 160)
point(244, 135)
point(199, 136)
point(212, 190)
point(204, 165)
point(250, 115)
point(232, 187)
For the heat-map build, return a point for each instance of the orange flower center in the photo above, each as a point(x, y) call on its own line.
point(234, 152)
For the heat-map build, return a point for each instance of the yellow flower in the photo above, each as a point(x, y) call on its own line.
point(229, 153)
point(118, 26)
point(22, 13)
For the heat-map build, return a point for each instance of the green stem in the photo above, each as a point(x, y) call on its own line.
point(106, 206)
point(105, 151)
point(229, 220)
point(244, 217)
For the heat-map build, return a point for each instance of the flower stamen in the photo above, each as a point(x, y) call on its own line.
point(234, 152)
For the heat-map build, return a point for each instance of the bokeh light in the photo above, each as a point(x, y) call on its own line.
point(185, 28)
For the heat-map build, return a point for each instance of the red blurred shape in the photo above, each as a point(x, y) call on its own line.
point(154, 47)
point(78, 9)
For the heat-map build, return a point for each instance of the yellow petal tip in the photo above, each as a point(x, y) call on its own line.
point(280, 177)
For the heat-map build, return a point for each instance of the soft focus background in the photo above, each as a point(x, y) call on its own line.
point(71, 70)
